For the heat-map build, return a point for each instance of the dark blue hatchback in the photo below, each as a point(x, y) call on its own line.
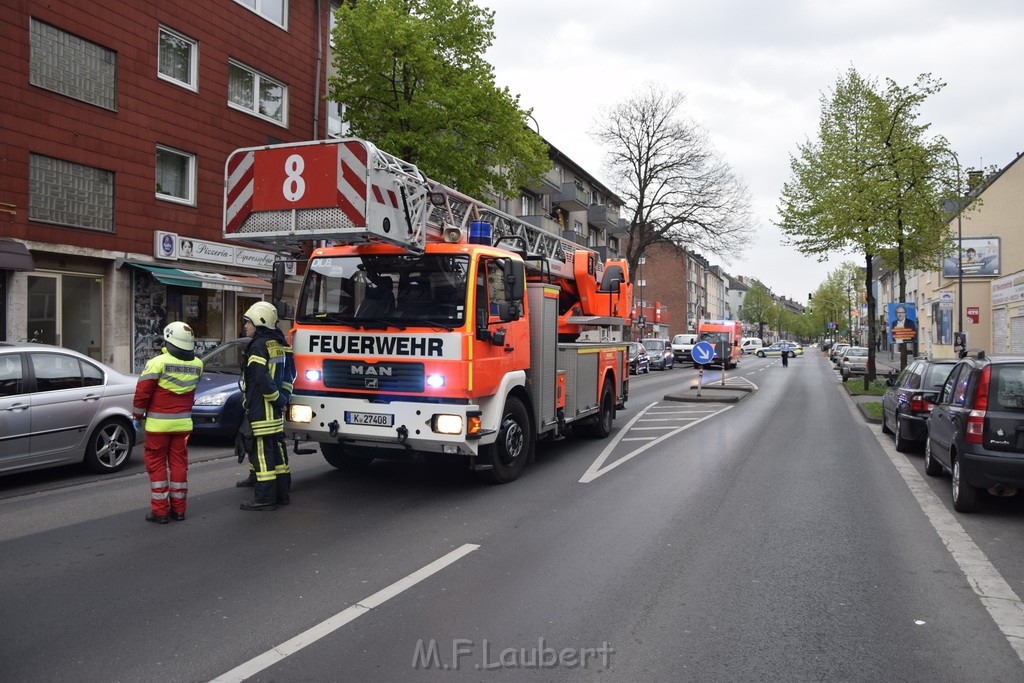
point(217, 409)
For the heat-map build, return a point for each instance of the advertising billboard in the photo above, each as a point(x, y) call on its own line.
point(980, 258)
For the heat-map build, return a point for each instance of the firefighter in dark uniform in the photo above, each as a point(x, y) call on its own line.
point(267, 375)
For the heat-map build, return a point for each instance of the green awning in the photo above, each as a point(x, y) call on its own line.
point(202, 279)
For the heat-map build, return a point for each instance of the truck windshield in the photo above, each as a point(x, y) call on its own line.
point(391, 289)
point(714, 337)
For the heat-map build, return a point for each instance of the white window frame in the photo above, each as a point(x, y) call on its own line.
point(193, 66)
point(256, 6)
point(526, 205)
point(254, 110)
point(190, 200)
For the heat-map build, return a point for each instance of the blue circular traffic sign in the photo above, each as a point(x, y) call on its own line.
point(702, 353)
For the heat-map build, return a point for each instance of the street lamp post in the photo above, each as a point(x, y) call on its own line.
point(960, 248)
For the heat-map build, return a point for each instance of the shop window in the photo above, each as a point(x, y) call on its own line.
point(200, 309)
point(66, 310)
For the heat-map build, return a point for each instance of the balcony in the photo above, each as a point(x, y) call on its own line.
point(572, 198)
point(545, 223)
point(603, 216)
point(549, 183)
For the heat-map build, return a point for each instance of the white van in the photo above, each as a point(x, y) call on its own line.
point(682, 346)
point(750, 344)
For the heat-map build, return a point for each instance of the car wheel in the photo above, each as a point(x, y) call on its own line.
point(965, 496)
point(507, 455)
point(902, 445)
point(760, 354)
point(931, 466)
point(885, 425)
point(846, 376)
point(110, 445)
point(337, 457)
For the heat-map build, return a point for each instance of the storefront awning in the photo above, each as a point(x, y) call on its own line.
point(180, 277)
point(14, 255)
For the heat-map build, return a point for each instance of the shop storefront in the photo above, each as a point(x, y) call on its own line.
point(185, 284)
point(14, 257)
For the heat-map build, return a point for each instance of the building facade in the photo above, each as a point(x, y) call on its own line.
point(118, 118)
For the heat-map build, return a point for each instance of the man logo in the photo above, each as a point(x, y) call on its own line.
point(372, 383)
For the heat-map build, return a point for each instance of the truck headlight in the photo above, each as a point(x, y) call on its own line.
point(447, 424)
point(300, 413)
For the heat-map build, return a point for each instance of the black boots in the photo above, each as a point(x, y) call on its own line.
point(253, 506)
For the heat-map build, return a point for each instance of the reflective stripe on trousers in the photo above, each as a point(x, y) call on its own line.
point(167, 454)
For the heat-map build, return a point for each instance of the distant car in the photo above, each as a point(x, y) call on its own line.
point(836, 350)
point(796, 347)
point(854, 361)
point(217, 407)
point(660, 352)
point(751, 344)
point(639, 361)
point(58, 406)
point(908, 401)
point(682, 347)
point(976, 429)
point(774, 351)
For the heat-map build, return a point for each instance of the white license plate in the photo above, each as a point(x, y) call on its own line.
point(373, 419)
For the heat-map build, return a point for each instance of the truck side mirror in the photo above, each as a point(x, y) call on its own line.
point(277, 281)
point(514, 273)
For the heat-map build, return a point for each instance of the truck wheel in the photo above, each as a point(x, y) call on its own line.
point(336, 456)
point(507, 455)
point(601, 427)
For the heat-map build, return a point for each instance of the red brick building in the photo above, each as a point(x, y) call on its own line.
point(117, 120)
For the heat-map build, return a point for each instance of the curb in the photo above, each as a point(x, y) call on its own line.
point(724, 395)
point(868, 417)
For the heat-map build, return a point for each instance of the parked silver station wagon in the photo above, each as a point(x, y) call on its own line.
point(58, 406)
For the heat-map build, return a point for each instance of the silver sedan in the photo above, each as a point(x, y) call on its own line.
point(58, 406)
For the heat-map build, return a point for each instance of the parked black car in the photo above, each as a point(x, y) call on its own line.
point(639, 361)
point(908, 401)
point(976, 429)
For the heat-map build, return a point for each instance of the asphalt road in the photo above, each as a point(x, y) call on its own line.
point(780, 538)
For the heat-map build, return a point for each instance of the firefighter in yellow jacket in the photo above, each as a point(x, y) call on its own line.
point(164, 397)
point(267, 374)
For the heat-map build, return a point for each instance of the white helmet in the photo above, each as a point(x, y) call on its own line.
point(262, 314)
point(179, 334)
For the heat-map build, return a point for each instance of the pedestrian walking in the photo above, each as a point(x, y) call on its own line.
point(267, 374)
point(164, 398)
point(784, 349)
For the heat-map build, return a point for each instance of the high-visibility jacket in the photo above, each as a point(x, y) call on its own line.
point(267, 376)
point(166, 390)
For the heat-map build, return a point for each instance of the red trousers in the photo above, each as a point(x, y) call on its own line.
point(167, 465)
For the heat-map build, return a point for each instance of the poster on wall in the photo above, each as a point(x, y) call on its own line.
point(980, 258)
point(902, 323)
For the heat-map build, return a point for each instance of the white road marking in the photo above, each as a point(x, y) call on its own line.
point(597, 468)
point(328, 626)
point(996, 595)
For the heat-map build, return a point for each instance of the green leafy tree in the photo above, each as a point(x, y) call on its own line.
point(872, 181)
point(676, 186)
point(412, 76)
point(758, 307)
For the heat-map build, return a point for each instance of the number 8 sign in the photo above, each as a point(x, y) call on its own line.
point(303, 177)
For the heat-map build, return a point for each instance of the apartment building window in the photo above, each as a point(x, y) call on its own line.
point(273, 11)
point(526, 205)
point(594, 238)
point(72, 66)
point(71, 194)
point(178, 59)
point(257, 93)
point(577, 227)
point(175, 175)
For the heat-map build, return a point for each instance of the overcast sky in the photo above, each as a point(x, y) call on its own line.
point(753, 72)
